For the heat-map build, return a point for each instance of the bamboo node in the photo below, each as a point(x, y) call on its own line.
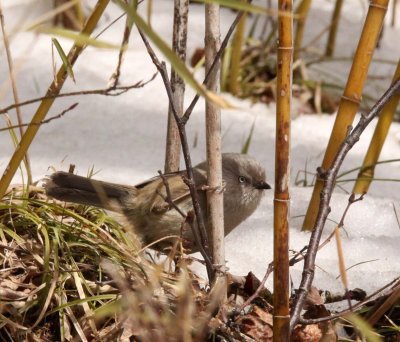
point(282, 200)
point(218, 189)
point(378, 6)
point(322, 173)
point(351, 99)
point(282, 316)
point(221, 270)
point(349, 129)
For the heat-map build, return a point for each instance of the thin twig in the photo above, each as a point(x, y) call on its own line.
point(168, 198)
point(114, 79)
point(14, 91)
point(221, 50)
point(43, 121)
point(367, 300)
point(358, 264)
point(395, 214)
point(199, 230)
point(326, 194)
point(300, 255)
point(260, 287)
point(113, 22)
point(109, 25)
point(109, 91)
point(11, 71)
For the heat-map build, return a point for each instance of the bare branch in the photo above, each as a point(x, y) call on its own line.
point(43, 121)
point(217, 58)
point(199, 231)
point(300, 255)
point(270, 269)
point(109, 91)
point(377, 294)
point(114, 79)
point(168, 198)
point(326, 194)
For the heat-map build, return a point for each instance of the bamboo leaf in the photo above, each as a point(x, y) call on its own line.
point(366, 330)
point(176, 63)
point(247, 7)
point(64, 58)
point(80, 39)
point(246, 146)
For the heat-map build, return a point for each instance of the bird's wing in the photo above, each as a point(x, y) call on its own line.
point(170, 190)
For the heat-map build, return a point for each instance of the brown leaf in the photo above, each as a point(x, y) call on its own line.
point(309, 333)
point(257, 324)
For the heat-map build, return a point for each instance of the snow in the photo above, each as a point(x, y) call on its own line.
point(123, 138)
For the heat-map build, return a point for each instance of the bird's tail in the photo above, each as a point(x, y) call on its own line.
point(68, 187)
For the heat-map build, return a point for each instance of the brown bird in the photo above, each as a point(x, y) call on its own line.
point(146, 205)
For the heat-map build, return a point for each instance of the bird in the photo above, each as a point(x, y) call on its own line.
point(162, 207)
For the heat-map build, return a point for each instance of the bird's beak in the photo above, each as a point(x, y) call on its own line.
point(262, 185)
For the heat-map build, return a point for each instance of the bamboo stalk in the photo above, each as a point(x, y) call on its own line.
point(72, 18)
point(350, 99)
point(46, 104)
point(215, 209)
point(394, 11)
point(236, 56)
point(341, 261)
point(366, 173)
point(282, 173)
point(13, 82)
point(302, 14)
point(179, 40)
point(330, 46)
point(149, 11)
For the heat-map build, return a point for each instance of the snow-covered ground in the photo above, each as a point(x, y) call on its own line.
point(124, 137)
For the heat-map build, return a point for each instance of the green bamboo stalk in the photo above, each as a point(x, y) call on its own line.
point(46, 104)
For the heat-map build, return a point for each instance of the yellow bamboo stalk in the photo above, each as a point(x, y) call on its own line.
point(302, 13)
point(79, 14)
point(15, 92)
point(72, 18)
point(149, 11)
point(282, 172)
point(351, 97)
point(236, 55)
point(342, 264)
point(366, 173)
point(330, 45)
point(46, 104)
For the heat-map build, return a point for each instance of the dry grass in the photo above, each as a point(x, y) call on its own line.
point(70, 272)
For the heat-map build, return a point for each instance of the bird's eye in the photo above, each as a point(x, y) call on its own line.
point(242, 179)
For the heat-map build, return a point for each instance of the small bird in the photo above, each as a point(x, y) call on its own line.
point(155, 215)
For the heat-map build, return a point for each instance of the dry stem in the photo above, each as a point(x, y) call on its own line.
point(199, 230)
